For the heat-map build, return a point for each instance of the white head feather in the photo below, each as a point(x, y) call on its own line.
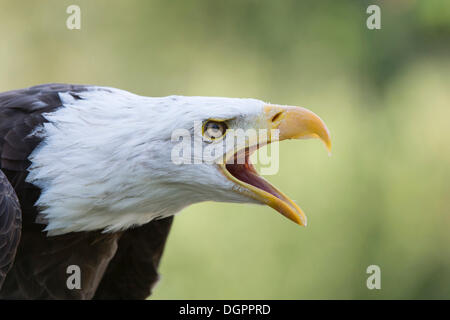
point(105, 160)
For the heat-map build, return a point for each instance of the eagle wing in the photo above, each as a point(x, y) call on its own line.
point(10, 226)
point(133, 272)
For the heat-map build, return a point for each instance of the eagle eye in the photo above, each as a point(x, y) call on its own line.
point(213, 130)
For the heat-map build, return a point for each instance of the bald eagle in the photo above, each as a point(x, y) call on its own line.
point(87, 179)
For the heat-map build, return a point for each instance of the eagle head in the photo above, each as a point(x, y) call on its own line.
point(111, 160)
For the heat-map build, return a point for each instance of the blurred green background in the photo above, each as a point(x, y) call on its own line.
point(383, 196)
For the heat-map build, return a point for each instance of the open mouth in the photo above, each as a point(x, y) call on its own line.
point(258, 188)
point(247, 173)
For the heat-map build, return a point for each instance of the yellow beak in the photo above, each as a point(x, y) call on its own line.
point(292, 123)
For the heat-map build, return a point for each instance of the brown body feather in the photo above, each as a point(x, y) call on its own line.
point(113, 265)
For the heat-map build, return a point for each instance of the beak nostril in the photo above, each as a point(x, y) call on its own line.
point(275, 117)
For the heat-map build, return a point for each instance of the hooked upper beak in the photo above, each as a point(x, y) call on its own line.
point(297, 123)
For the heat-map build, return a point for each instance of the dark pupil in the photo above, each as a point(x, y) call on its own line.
point(214, 130)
